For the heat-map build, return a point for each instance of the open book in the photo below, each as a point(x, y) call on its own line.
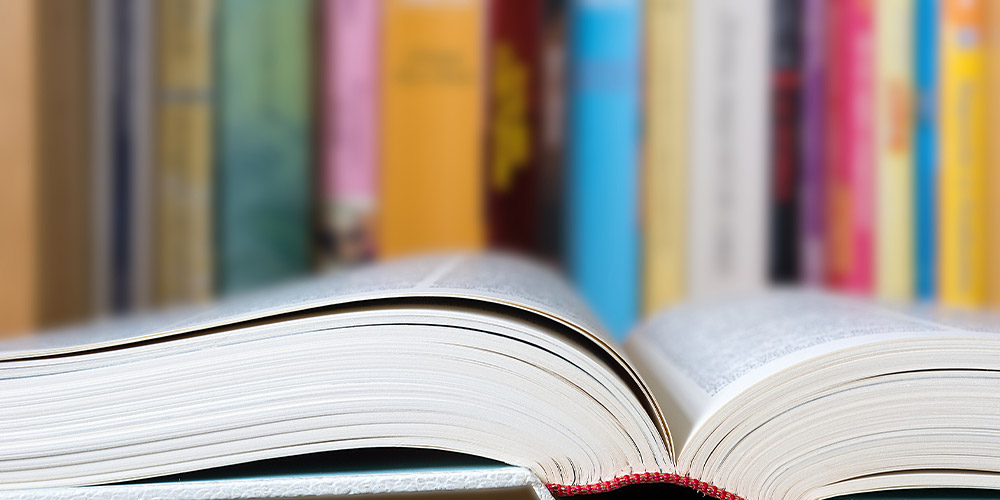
point(792, 394)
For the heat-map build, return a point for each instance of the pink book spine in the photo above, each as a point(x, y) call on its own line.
point(349, 143)
point(859, 146)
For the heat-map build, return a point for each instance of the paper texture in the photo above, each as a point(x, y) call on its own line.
point(707, 354)
point(490, 278)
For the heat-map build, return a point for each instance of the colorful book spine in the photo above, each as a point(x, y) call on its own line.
point(993, 154)
point(665, 155)
point(894, 161)
point(513, 153)
point(184, 249)
point(925, 147)
point(813, 151)
point(350, 128)
point(786, 91)
point(19, 288)
point(552, 183)
point(729, 172)
point(603, 245)
point(263, 131)
point(963, 177)
point(851, 153)
point(431, 126)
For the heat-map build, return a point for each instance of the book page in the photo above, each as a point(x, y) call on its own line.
point(703, 354)
point(492, 278)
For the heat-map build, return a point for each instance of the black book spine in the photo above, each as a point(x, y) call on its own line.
point(786, 89)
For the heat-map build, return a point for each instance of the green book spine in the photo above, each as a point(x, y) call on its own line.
point(263, 132)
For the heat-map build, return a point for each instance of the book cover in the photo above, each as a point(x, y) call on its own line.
point(894, 158)
point(925, 147)
point(263, 57)
point(850, 147)
point(813, 132)
point(603, 218)
point(962, 186)
point(786, 97)
point(993, 153)
point(728, 216)
point(63, 152)
point(665, 152)
point(19, 217)
point(513, 117)
point(349, 144)
point(184, 238)
point(431, 122)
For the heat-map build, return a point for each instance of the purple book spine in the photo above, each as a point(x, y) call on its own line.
point(813, 140)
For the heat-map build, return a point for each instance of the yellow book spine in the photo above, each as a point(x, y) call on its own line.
point(432, 84)
point(894, 161)
point(183, 262)
point(993, 153)
point(665, 156)
point(962, 237)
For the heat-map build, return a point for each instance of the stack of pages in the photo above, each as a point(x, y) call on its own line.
point(790, 394)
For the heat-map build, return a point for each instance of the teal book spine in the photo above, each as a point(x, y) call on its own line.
point(925, 135)
point(603, 218)
point(264, 144)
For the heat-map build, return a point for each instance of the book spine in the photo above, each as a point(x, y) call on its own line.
point(513, 153)
point(728, 219)
point(432, 120)
point(127, 150)
point(851, 147)
point(64, 170)
point(963, 168)
point(813, 124)
point(894, 169)
point(19, 288)
point(665, 158)
point(184, 250)
point(102, 90)
point(993, 154)
point(349, 145)
point(141, 127)
point(925, 148)
point(552, 139)
point(604, 146)
point(263, 226)
point(786, 93)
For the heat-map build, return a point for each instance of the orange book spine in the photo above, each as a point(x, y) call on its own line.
point(431, 126)
point(20, 287)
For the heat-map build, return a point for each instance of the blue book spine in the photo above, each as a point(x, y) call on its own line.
point(926, 67)
point(603, 250)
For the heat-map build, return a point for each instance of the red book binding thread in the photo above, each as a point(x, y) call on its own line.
point(562, 490)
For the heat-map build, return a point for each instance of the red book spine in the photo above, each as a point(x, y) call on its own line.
point(513, 153)
point(836, 227)
point(850, 148)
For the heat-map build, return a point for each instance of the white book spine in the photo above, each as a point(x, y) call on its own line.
point(729, 147)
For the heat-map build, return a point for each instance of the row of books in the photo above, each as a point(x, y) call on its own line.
point(168, 151)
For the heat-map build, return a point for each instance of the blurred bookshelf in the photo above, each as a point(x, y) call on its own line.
point(168, 152)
